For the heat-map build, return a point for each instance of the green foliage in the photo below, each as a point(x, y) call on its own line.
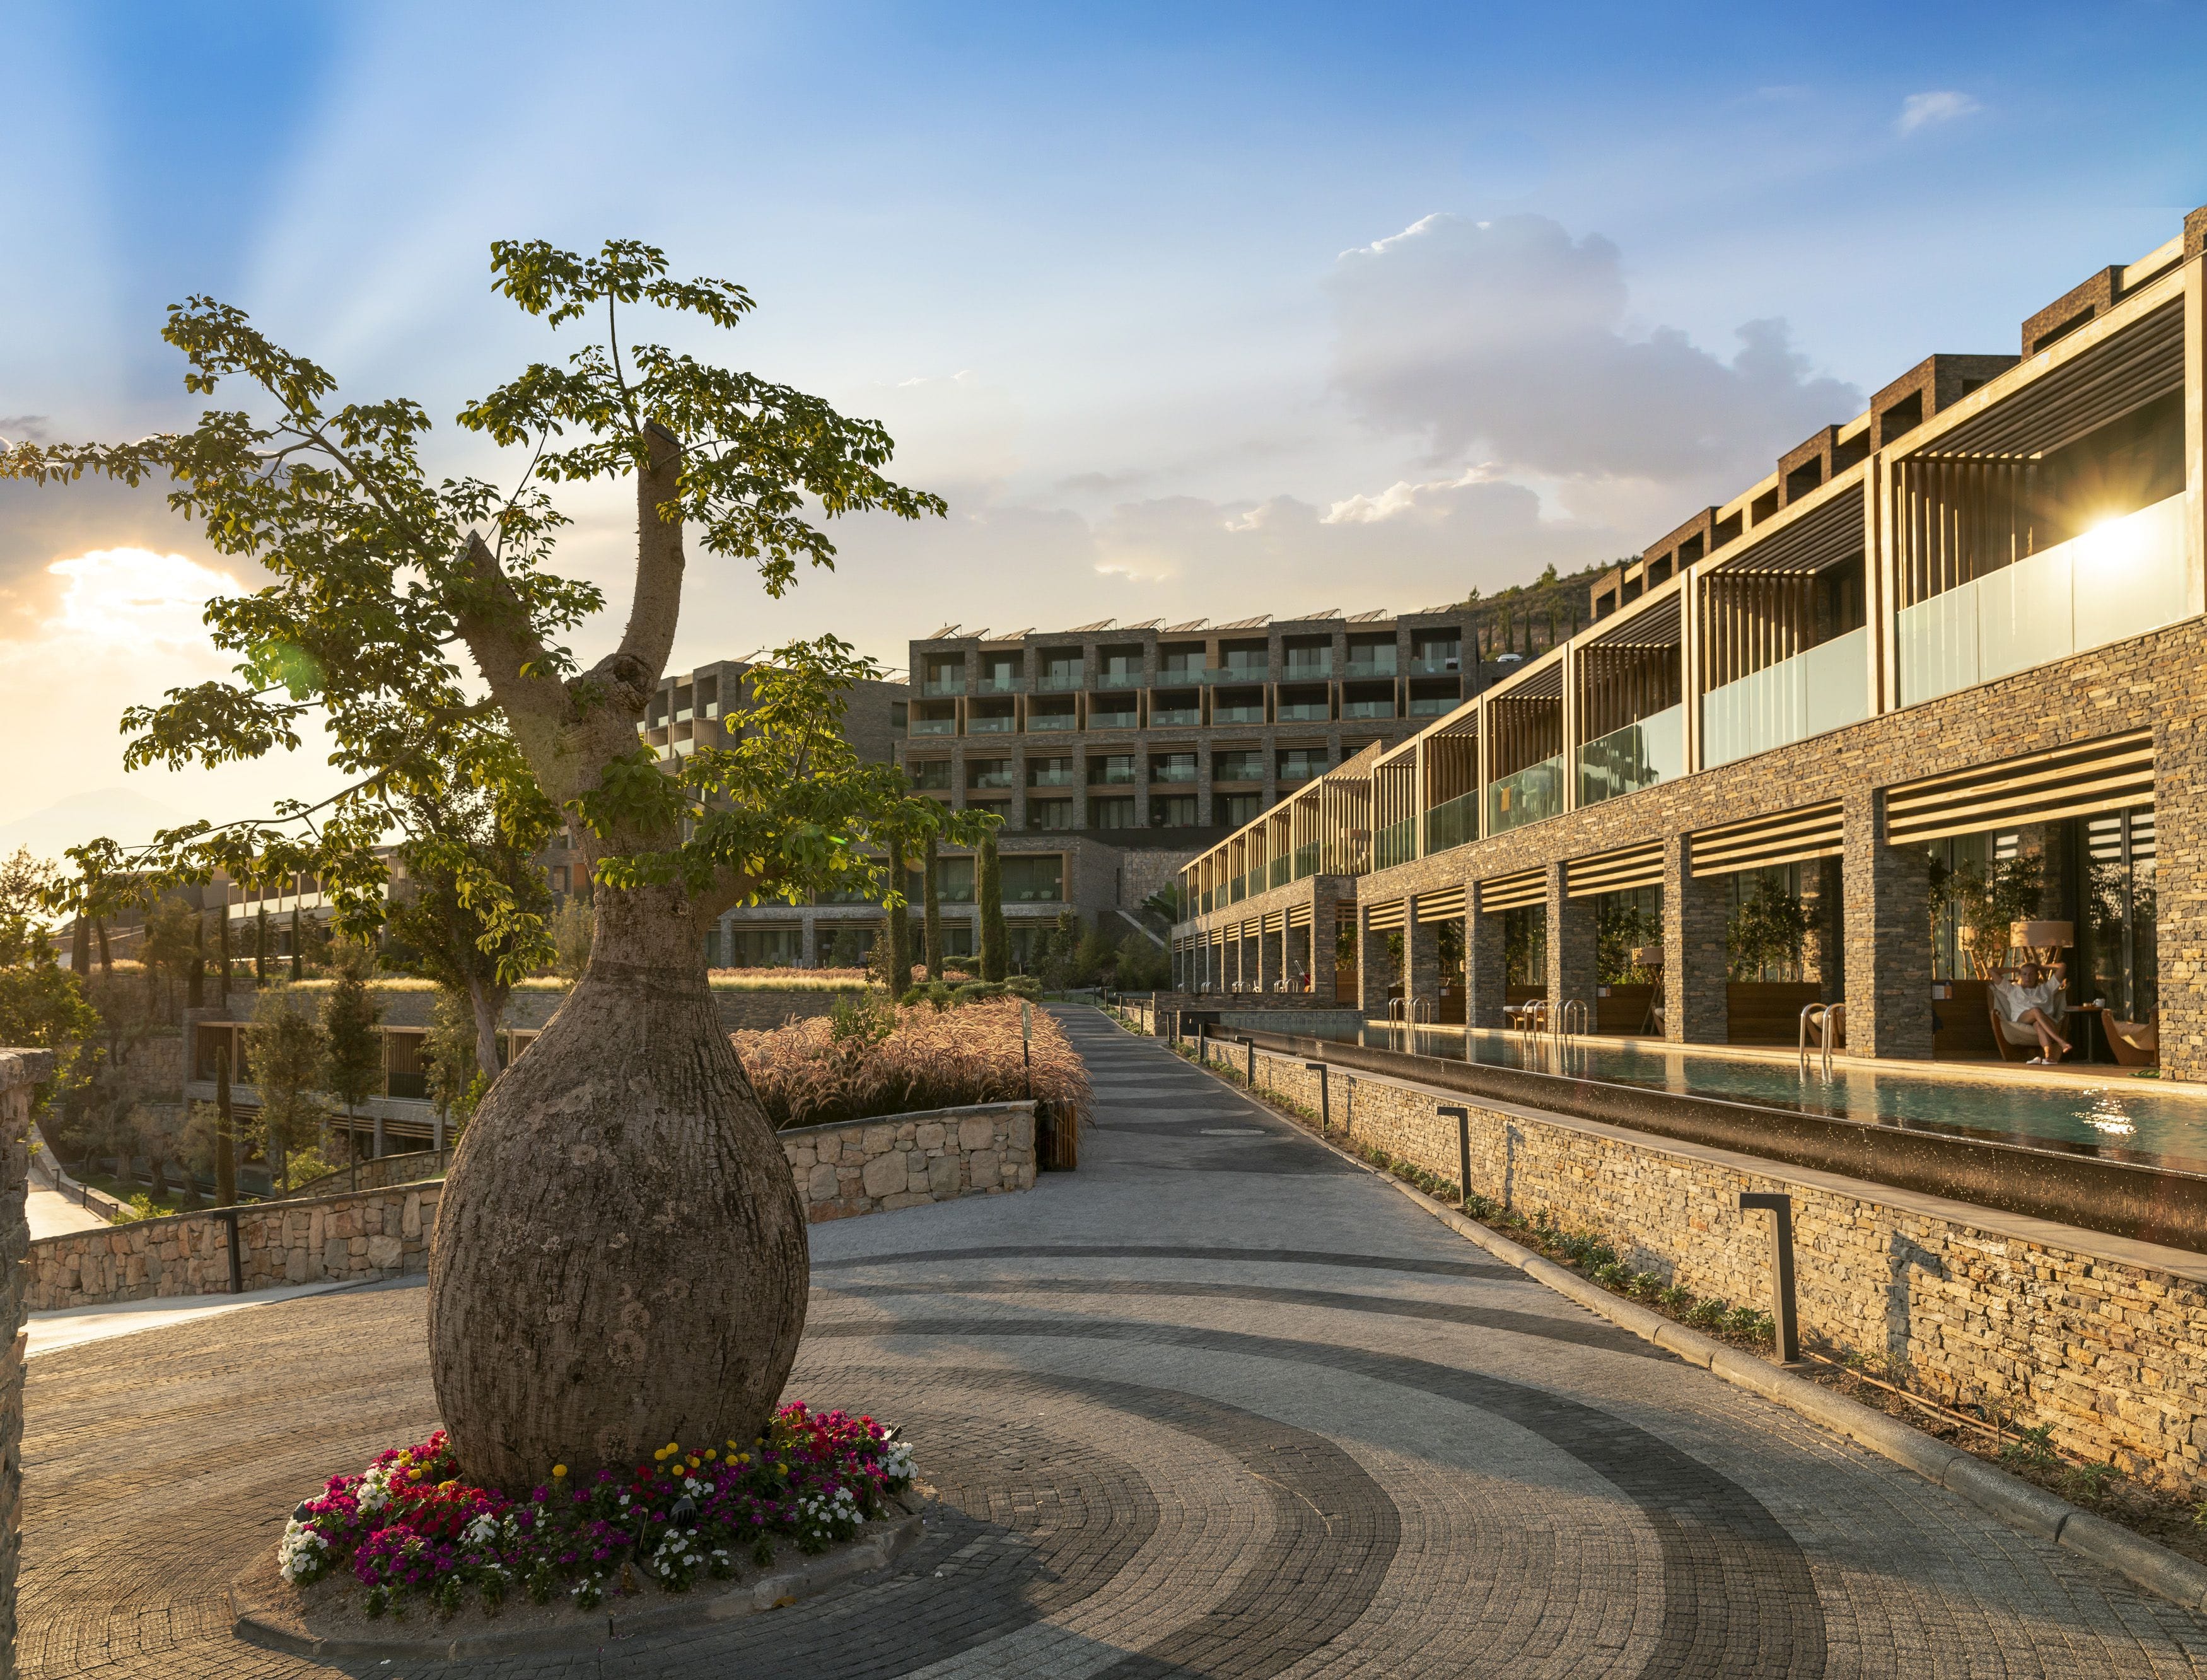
point(861, 1020)
point(353, 1069)
point(1770, 930)
point(1622, 925)
point(289, 1054)
point(1986, 904)
point(25, 884)
point(42, 1006)
point(988, 890)
point(456, 1078)
point(2033, 1447)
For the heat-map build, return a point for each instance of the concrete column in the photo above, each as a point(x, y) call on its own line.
point(1888, 935)
point(1486, 975)
point(808, 940)
point(1421, 959)
point(2180, 826)
point(1573, 964)
point(1324, 933)
point(1270, 955)
point(1372, 974)
point(1695, 1011)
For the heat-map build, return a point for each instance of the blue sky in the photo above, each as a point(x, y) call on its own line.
point(1187, 310)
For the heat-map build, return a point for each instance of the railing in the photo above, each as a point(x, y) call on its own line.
point(997, 685)
point(1530, 795)
point(684, 715)
point(933, 726)
point(1237, 714)
point(981, 726)
point(2120, 579)
point(1304, 711)
point(1041, 720)
point(1118, 679)
point(1825, 688)
point(1279, 874)
point(1172, 773)
point(1164, 717)
point(1358, 669)
point(1638, 756)
point(1453, 823)
point(1307, 670)
point(1368, 708)
point(1057, 676)
point(1098, 717)
point(1225, 768)
point(1051, 779)
point(1397, 843)
point(1305, 860)
point(1110, 777)
point(1227, 675)
point(995, 779)
point(1434, 705)
point(1446, 665)
point(943, 685)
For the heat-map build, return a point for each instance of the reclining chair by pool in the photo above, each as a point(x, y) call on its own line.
point(2015, 1041)
point(2135, 1044)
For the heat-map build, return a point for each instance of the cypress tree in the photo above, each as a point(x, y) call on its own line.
point(900, 930)
point(298, 949)
point(932, 910)
point(261, 946)
point(988, 889)
point(222, 939)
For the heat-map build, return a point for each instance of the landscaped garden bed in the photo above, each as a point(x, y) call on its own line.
point(409, 1540)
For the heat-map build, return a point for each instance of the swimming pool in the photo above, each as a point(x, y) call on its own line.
point(2125, 1118)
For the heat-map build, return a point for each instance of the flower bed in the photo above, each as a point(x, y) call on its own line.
point(408, 1530)
point(895, 1061)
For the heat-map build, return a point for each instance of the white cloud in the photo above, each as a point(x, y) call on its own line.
point(1926, 111)
point(1513, 339)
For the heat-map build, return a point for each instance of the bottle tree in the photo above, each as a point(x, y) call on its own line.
point(620, 1257)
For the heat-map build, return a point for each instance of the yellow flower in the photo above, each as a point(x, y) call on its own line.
point(558, 1470)
point(673, 1447)
point(658, 1454)
point(711, 1453)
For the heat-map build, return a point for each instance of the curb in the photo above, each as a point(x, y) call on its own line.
point(263, 1617)
point(2019, 1503)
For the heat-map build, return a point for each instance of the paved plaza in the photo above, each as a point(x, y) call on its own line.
point(1217, 1404)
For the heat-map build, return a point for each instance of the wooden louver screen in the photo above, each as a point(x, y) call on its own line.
point(2110, 773)
point(1514, 892)
point(1299, 915)
point(1787, 837)
point(1386, 916)
point(1616, 871)
point(1443, 904)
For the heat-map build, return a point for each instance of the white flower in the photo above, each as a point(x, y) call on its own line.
point(296, 1553)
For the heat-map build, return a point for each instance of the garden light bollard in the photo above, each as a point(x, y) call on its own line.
point(1251, 1079)
point(1463, 1151)
point(1781, 1269)
point(1325, 1094)
point(228, 1217)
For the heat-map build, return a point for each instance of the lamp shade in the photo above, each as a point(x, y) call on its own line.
point(2041, 935)
point(1647, 956)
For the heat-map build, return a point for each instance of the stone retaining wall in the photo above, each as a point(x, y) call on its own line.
point(19, 1071)
point(351, 1237)
point(376, 1173)
point(877, 1166)
point(2102, 1339)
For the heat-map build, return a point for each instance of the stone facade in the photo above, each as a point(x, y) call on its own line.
point(2103, 1340)
point(18, 1070)
point(350, 1237)
point(852, 1167)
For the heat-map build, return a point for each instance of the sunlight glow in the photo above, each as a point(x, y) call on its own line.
point(128, 597)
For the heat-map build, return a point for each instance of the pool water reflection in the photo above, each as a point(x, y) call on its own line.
point(2125, 1117)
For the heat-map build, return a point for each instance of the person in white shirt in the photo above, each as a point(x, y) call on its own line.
point(2031, 1006)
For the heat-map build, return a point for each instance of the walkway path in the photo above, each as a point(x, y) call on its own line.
point(1216, 1404)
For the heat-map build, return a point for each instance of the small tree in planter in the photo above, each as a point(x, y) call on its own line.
point(355, 1066)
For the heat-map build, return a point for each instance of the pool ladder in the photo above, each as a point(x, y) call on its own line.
point(1828, 1019)
point(1407, 1013)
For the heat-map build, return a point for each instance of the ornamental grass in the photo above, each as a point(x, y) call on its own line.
point(860, 1064)
point(409, 1530)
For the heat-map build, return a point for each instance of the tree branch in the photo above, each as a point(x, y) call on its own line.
point(649, 637)
point(507, 651)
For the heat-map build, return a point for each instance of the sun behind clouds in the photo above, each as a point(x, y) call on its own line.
point(129, 597)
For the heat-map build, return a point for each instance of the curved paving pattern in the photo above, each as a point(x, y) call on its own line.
point(1216, 1405)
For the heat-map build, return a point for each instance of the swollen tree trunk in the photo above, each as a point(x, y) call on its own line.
point(620, 1256)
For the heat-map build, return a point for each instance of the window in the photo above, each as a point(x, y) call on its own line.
point(991, 717)
point(929, 772)
point(1176, 812)
point(1049, 773)
point(1034, 880)
point(1111, 813)
point(1184, 664)
point(1172, 711)
point(1050, 814)
point(1172, 767)
point(1122, 667)
point(1437, 655)
point(1059, 668)
point(1234, 809)
point(1237, 767)
point(991, 773)
point(954, 880)
point(938, 719)
point(1115, 712)
point(945, 673)
point(1301, 764)
point(899, 710)
point(1111, 769)
point(765, 948)
point(1049, 714)
point(1240, 705)
point(1000, 673)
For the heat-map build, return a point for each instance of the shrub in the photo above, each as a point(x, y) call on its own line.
point(930, 1058)
point(1709, 1314)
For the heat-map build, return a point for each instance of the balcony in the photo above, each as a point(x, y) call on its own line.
point(997, 685)
point(1039, 721)
point(1638, 756)
point(684, 715)
point(1100, 719)
point(1370, 708)
point(940, 687)
point(1172, 773)
point(1170, 675)
point(1307, 711)
point(1112, 776)
point(1382, 666)
point(1118, 679)
point(982, 779)
point(1432, 705)
point(984, 726)
point(1825, 688)
point(1452, 824)
point(1298, 669)
point(933, 726)
point(1397, 843)
point(2120, 579)
point(1437, 665)
point(1059, 678)
point(1051, 779)
point(1278, 874)
point(1253, 672)
point(1170, 717)
point(1530, 795)
point(1247, 714)
point(1305, 860)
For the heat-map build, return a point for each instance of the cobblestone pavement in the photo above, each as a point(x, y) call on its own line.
point(1217, 1404)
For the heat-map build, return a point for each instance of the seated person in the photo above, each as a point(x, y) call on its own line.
point(2029, 1008)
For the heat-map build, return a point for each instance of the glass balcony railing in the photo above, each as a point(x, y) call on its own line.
point(1278, 874)
point(1825, 688)
point(1304, 711)
point(1237, 714)
point(1112, 776)
point(1051, 779)
point(1367, 708)
point(1118, 679)
point(2120, 579)
point(1307, 670)
point(1172, 773)
point(1397, 843)
point(683, 716)
point(1638, 756)
point(1362, 668)
point(942, 686)
point(1434, 705)
point(1172, 717)
point(994, 779)
point(1436, 665)
point(1234, 674)
point(1453, 823)
point(1003, 726)
point(1046, 720)
point(1305, 860)
point(1530, 795)
point(933, 726)
point(998, 686)
point(1059, 677)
